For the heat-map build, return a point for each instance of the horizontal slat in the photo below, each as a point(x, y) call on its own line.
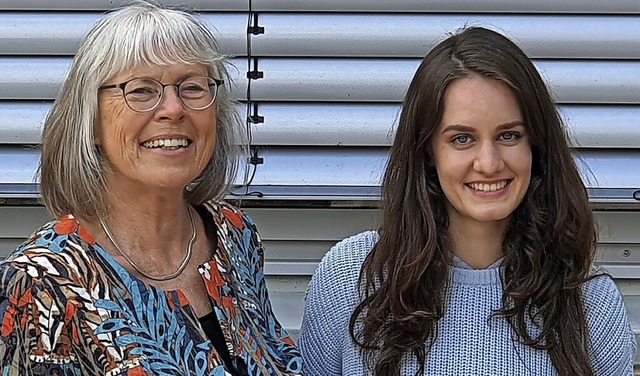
point(538, 6)
point(287, 298)
point(23, 78)
point(296, 238)
point(19, 165)
point(355, 173)
point(362, 167)
point(350, 124)
point(301, 257)
point(349, 80)
point(292, 227)
point(492, 6)
point(60, 33)
point(215, 5)
point(21, 122)
point(362, 124)
point(413, 35)
point(385, 80)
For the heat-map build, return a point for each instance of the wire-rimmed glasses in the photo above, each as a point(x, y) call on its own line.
point(145, 94)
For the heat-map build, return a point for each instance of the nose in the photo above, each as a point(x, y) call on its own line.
point(170, 104)
point(489, 159)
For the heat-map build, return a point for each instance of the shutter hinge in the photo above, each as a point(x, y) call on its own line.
point(254, 118)
point(254, 73)
point(255, 29)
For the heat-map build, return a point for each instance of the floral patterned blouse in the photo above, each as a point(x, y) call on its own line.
point(68, 308)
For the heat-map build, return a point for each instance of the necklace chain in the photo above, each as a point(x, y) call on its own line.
point(162, 277)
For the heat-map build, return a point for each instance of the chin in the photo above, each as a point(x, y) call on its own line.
point(495, 216)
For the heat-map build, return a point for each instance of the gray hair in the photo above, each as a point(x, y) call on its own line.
point(71, 166)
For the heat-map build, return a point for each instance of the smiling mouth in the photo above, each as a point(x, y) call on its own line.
point(167, 144)
point(488, 187)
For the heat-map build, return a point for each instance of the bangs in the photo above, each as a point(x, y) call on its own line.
point(159, 38)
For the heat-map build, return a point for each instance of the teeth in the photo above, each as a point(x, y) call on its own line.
point(488, 187)
point(170, 144)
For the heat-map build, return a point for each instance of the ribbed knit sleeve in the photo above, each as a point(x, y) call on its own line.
point(331, 297)
point(612, 343)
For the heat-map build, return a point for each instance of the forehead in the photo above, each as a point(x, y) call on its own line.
point(475, 100)
point(169, 72)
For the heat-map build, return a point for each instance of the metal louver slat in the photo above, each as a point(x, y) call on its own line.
point(60, 33)
point(319, 227)
point(21, 121)
point(464, 6)
point(611, 175)
point(412, 35)
point(99, 5)
point(346, 173)
point(329, 225)
point(350, 124)
point(371, 124)
point(23, 78)
point(18, 172)
point(385, 80)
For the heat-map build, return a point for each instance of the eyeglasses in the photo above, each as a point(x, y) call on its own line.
point(145, 94)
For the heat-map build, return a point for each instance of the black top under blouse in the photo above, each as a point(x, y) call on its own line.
point(209, 322)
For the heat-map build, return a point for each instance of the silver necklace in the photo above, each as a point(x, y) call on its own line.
point(162, 277)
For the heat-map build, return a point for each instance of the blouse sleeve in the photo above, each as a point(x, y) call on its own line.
point(286, 351)
point(32, 337)
point(612, 343)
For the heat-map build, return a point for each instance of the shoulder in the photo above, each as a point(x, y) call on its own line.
point(226, 214)
point(339, 269)
point(602, 296)
point(52, 252)
point(349, 254)
point(612, 342)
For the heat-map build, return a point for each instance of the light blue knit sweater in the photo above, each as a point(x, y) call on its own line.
point(469, 342)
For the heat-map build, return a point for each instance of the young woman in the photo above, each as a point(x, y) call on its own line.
point(482, 263)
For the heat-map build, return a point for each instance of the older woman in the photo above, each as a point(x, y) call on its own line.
point(145, 271)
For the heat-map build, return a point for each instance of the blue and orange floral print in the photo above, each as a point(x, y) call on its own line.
point(68, 308)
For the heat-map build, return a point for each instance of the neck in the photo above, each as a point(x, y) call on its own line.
point(154, 222)
point(479, 244)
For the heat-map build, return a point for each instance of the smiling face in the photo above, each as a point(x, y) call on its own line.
point(162, 149)
point(481, 151)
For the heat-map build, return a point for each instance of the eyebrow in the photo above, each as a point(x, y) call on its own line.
point(468, 129)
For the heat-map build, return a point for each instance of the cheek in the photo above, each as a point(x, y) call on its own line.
point(111, 122)
point(521, 162)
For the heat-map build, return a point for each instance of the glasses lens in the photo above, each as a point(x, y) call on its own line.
point(142, 94)
point(198, 93)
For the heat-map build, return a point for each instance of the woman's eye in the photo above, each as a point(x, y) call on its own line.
point(193, 88)
point(461, 140)
point(510, 136)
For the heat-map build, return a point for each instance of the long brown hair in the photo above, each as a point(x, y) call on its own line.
point(548, 247)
